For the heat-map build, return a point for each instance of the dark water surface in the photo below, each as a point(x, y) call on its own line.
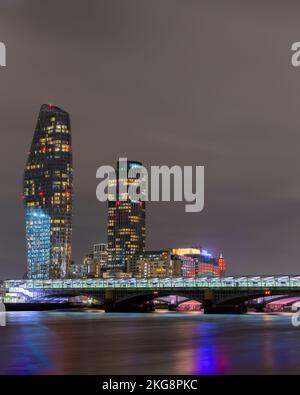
point(93, 342)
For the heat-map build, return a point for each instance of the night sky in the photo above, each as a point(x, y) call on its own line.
point(163, 82)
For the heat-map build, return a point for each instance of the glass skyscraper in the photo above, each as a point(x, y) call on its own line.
point(126, 220)
point(48, 195)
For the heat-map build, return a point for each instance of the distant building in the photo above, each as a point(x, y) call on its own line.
point(116, 275)
point(186, 264)
point(126, 222)
point(198, 262)
point(48, 196)
point(75, 270)
point(154, 264)
point(100, 257)
point(222, 265)
point(92, 265)
point(177, 262)
point(89, 266)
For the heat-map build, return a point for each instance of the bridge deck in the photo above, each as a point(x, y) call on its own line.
point(175, 282)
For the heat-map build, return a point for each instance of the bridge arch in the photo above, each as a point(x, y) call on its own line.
point(147, 296)
point(69, 295)
point(236, 299)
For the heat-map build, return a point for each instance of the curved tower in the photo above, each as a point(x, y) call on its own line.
point(48, 195)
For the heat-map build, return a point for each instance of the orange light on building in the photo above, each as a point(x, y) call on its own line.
point(267, 292)
point(155, 293)
point(221, 263)
point(186, 251)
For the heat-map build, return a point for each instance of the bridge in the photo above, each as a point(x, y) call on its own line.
point(124, 293)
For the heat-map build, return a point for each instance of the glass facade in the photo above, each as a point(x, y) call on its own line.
point(38, 242)
point(48, 194)
point(126, 221)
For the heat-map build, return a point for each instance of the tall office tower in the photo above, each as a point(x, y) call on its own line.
point(48, 195)
point(126, 218)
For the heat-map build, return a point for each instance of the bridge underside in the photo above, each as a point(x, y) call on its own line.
point(124, 299)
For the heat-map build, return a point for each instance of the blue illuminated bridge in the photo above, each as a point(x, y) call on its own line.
point(118, 293)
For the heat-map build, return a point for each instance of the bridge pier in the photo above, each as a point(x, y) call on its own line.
point(173, 307)
point(210, 306)
point(108, 299)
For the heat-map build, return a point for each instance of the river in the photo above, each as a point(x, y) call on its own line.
point(93, 342)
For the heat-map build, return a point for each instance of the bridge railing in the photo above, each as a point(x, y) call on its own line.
point(175, 282)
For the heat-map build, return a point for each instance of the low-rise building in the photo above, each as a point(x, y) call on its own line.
point(177, 262)
point(154, 264)
point(199, 262)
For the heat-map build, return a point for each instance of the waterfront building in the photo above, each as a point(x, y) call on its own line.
point(198, 262)
point(126, 220)
point(154, 264)
point(48, 195)
point(181, 262)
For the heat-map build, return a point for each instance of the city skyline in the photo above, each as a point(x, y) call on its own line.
point(160, 95)
point(48, 197)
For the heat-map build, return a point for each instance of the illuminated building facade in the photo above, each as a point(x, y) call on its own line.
point(126, 220)
point(48, 195)
point(198, 262)
point(38, 242)
point(154, 264)
point(177, 262)
point(222, 265)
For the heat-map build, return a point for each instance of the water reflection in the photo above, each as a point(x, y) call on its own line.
point(210, 356)
point(94, 342)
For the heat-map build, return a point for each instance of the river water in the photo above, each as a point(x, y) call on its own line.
point(93, 342)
